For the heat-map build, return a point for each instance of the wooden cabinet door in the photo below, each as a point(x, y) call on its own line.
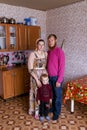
point(3, 37)
point(22, 37)
point(19, 81)
point(33, 35)
point(12, 37)
point(8, 86)
point(8, 37)
point(26, 80)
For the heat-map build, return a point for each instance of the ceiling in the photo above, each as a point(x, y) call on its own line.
point(40, 4)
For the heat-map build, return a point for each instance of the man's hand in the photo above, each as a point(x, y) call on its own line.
point(57, 84)
point(50, 101)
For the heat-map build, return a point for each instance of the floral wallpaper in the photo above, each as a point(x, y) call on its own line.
point(69, 23)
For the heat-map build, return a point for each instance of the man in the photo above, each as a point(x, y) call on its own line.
point(55, 68)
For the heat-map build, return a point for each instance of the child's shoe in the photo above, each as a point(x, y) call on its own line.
point(41, 118)
point(47, 118)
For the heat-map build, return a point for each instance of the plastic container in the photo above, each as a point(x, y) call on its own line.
point(31, 21)
point(27, 21)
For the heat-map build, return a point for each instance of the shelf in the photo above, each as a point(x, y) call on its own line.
point(2, 37)
point(12, 37)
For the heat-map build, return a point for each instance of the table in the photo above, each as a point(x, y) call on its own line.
point(76, 91)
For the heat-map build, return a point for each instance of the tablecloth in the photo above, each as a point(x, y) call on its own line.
point(77, 90)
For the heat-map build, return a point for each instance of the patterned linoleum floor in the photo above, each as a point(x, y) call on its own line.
point(14, 116)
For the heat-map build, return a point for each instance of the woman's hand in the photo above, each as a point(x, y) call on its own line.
point(38, 83)
point(36, 79)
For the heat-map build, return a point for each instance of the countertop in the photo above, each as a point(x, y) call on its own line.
point(12, 67)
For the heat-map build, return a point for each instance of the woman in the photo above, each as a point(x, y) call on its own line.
point(36, 66)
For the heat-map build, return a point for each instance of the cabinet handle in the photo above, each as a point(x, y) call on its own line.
point(13, 74)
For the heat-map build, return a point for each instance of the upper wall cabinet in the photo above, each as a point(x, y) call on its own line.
point(8, 37)
point(27, 36)
point(34, 32)
point(18, 37)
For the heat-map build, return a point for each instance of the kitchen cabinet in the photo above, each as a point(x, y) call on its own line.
point(33, 34)
point(11, 83)
point(18, 37)
point(8, 37)
point(26, 80)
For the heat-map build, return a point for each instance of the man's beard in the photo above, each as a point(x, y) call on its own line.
point(51, 48)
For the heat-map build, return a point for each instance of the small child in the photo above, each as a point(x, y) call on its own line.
point(44, 97)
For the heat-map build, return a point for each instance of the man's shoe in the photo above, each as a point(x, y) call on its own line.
point(54, 121)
